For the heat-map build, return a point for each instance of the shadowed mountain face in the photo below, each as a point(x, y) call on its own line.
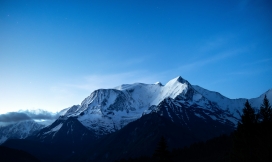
point(139, 138)
point(203, 123)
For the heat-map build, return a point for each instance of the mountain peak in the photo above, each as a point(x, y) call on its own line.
point(177, 81)
point(180, 79)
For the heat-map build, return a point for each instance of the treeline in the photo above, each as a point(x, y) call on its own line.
point(253, 138)
point(251, 141)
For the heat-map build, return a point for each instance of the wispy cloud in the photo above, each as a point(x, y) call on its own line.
point(244, 72)
point(218, 43)
point(250, 72)
point(253, 68)
point(124, 62)
point(215, 43)
point(258, 62)
point(205, 61)
point(134, 61)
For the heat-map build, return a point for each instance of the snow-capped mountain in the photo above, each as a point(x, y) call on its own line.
point(136, 113)
point(108, 110)
point(19, 130)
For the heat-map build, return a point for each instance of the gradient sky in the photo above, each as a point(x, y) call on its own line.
point(53, 54)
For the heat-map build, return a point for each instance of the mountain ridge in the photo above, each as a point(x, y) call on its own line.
point(108, 110)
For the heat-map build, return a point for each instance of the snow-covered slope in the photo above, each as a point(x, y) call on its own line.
point(68, 110)
point(108, 110)
point(19, 130)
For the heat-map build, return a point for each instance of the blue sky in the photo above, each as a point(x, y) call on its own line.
point(53, 54)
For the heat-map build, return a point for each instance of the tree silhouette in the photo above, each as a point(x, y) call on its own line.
point(249, 117)
point(161, 153)
point(265, 111)
point(253, 140)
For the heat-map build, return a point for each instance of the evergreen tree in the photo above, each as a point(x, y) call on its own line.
point(265, 111)
point(161, 153)
point(249, 117)
point(244, 146)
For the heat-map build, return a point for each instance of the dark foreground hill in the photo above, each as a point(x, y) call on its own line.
point(69, 138)
point(13, 155)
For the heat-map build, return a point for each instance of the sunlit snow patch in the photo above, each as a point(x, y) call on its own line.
point(3, 139)
point(56, 128)
point(200, 116)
